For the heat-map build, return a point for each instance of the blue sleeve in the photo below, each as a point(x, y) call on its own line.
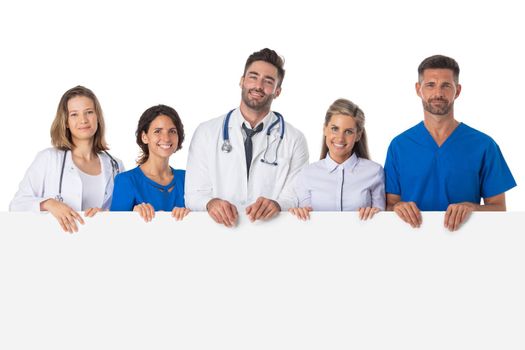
point(123, 193)
point(496, 177)
point(391, 172)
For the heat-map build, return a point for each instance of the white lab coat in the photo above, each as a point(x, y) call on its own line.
point(41, 181)
point(212, 173)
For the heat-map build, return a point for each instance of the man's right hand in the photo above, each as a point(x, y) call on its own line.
point(409, 213)
point(222, 212)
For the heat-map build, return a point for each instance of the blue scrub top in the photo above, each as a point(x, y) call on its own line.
point(133, 187)
point(467, 167)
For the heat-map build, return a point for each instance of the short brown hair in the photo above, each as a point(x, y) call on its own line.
point(439, 62)
point(269, 56)
point(61, 135)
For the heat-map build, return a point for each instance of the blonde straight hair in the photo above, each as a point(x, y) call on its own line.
point(347, 107)
point(61, 135)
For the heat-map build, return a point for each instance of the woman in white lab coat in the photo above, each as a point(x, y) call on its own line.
point(77, 173)
point(344, 179)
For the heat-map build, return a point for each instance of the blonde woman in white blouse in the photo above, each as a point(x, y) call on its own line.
point(344, 179)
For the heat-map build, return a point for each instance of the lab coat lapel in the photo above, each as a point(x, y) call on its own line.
point(272, 141)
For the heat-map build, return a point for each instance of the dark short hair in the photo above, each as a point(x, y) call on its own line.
point(145, 121)
point(439, 62)
point(270, 56)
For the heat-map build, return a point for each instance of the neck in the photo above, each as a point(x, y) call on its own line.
point(440, 127)
point(157, 166)
point(253, 116)
point(83, 149)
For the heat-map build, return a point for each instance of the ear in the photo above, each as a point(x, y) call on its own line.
point(358, 136)
point(418, 89)
point(144, 138)
point(458, 90)
point(277, 92)
point(241, 81)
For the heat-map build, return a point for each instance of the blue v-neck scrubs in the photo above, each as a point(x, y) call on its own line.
point(468, 166)
point(133, 187)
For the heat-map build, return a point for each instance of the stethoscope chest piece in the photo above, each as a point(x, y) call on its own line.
point(226, 146)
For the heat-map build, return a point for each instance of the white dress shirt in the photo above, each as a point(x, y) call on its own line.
point(328, 186)
point(212, 173)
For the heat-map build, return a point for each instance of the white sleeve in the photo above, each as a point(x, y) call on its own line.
point(198, 188)
point(32, 187)
point(300, 158)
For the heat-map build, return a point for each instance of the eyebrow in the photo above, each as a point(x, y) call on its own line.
point(264, 77)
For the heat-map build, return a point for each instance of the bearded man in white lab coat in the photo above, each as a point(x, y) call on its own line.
point(248, 158)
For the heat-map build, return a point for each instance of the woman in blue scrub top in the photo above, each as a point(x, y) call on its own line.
point(344, 179)
point(153, 185)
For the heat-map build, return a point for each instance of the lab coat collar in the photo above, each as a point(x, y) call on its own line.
point(348, 164)
point(238, 120)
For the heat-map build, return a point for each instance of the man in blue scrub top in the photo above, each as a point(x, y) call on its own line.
point(441, 164)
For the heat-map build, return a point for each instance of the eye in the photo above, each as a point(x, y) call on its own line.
point(173, 131)
point(73, 114)
point(334, 128)
point(90, 112)
point(349, 132)
point(156, 131)
point(269, 82)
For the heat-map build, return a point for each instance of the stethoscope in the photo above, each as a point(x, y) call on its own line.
point(227, 147)
point(114, 168)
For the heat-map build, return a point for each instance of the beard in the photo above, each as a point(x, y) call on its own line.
point(442, 108)
point(264, 103)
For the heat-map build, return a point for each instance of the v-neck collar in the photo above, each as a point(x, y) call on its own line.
point(156, 184)
point(424, 134)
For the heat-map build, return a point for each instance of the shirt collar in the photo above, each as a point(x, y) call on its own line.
point(238, 119)
point(348, 164)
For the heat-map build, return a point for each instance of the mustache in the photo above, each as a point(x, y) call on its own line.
point(261, 91)
point(439, 99)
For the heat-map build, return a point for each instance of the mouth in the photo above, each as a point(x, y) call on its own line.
point(165, 145)
point(257, 94)
point(339, 145)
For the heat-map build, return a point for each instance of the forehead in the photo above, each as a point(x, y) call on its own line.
point(80, 102)
point(343, 121)
point(162, 121)
point(262, 68)
point(438, 74)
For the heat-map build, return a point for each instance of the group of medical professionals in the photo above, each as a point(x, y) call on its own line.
point(251, 160)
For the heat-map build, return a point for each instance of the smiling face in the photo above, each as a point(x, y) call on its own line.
point(162, 138)
point(438, 90)
point(81, 118)
point(341, 134)
point(259, 86)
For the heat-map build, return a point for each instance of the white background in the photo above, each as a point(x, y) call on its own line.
point(190, 55)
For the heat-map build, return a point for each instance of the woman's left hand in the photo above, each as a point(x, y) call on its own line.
point(367, 213)
point(89, 213)
point(179, 213)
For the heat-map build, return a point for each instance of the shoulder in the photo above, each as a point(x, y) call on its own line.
point(370, 164)
point(129, 175)
point(313, 168)
point(179, 173)
point(473, 134)
point(292, 131)
point(410, 133)
point(372, 168)
point(106, 157)
point(210, 125)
